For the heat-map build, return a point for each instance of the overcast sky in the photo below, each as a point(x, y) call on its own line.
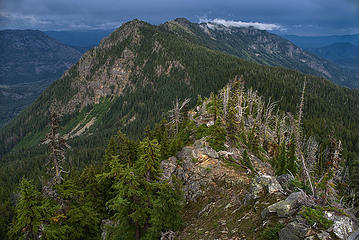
point(301, 17)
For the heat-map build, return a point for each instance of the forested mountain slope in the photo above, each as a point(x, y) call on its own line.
point(29, 62)
point(261, 47)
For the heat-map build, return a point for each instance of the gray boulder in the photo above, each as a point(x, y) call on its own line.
point(286, 207)
point(201, 148)
point(264, 183)
point(323, 235)
point(168, 167)
point(294, 231)
point(354, 235)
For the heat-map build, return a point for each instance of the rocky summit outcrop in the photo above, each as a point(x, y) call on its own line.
point(198, 166)
point(221, 192)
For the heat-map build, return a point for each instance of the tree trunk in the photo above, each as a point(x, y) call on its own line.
point(138, 235)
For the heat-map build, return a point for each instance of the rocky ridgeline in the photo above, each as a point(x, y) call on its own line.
point(227, 200)
point(201, 169)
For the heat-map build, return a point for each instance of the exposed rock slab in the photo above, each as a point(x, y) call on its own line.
point(264, 183)
point(286, 207)
point(294, 231)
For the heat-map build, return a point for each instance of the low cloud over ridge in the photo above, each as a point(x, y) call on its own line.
point(229, 23)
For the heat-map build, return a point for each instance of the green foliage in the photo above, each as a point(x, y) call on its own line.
point(166, 213)
point(286, 159)
point(246, 160)
point(291, 158)
point(315, 216)
point(213, 106)
point(120, 146)
point(217, 136)
point(29, 213)
point(252, 140)
point(281, 160)
point(231, 118)
point(149, 159)
point(75, 217)
point(142, 206)
point(297, 183)
point(271, 232)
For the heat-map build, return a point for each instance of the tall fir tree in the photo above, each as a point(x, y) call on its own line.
point(291, 158)
point(281, 161)
point(29, 213)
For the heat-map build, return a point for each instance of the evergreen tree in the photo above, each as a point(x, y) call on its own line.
point(149, 159)
point(120, 145)
point(142, 206)
point(281, 161)
point(217, 136)
point(166, 209)
point(292, 159)
point(29, 213)
point(246, 160)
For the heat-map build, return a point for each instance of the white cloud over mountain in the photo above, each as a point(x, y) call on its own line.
point(230, 23)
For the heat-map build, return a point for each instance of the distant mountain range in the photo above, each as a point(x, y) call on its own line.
point(322, 41)
point(29, 62)
point(345, 54)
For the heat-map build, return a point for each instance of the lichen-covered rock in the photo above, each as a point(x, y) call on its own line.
point(354, 235)
point(286, 207)
point(194, 177)
point(168, 167)
point(342, 227)
point(323, 235)
point(294, 231)
point(264, 183)
point(201, 149)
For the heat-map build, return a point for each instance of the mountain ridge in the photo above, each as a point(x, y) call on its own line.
point(30, 61)
point(343, 53)
point(261, 47)
point(123, 66)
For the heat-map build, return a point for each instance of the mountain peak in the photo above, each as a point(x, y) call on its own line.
point(182, 21)
point(127, 30)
